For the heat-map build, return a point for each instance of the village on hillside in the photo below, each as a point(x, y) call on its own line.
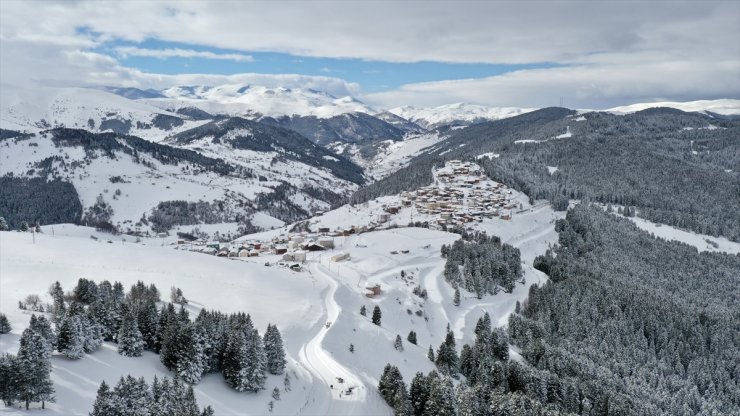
point(460, 194)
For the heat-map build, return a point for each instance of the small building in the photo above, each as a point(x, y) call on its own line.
point(323, 230)
point(384, 217)
point(373, 291)
point(244, 253)
point(280, 250)
point(326, 242)
point(295, 256)
point(391, 210)
point(313, 246)
point(339, 257)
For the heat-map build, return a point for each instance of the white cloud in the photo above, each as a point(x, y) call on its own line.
point(581, 86)
point(126, 51)
point(611, 52)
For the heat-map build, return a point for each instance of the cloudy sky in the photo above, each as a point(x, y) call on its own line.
point(593, 54)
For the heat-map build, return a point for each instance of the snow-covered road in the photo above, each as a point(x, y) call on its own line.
point(332, 401)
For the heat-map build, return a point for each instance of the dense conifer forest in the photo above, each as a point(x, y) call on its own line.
point(627, 324)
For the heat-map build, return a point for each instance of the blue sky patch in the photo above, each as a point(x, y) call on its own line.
point(373, 76)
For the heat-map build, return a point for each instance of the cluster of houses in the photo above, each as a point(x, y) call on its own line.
point(462, 194)
point(291, 249)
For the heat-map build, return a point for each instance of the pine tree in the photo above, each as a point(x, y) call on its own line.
point(352, 348)
point(447, 359)
point(24, 226)
point(57, 296)
point(390, 382)
point(3, 224)
point(71, 342)
point(170, 326)
point(376, 315)
point(41, 326)
point(430, 354)
point(9, 372)
point(418, 393)
point(190, 350)
point(207, 411)
point(456, 299)
point(34, 378)
point(276, 393)
point(103, 405)
point(130, 342)
point(4, 324)
point(148, 321)
point(245, 361)
point(441, 400)
point(286, 382)
point(412, 337)
point(398, 343)
point(256, 363)
point(363, 310)
point(274, 350)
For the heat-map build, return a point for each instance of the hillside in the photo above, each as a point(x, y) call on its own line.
point(134, 185)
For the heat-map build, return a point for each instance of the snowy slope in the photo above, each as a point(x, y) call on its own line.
point(279, 297)
point(39, 108)
point(299, 303)
point(245, 100)
point(722, 106)
point(388, 156)
point(455, 114)
point(143, 184)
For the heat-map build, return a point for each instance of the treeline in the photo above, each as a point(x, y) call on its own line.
point(212, 342)
point(650, 323)
point(168, 214)
point(26, 377)
point(481, 264)
point(133, 397)
point(246, 134)
point(493, 384)
point(411, 177)
point(109, 143)
point(278, 204)
point(38, 201)
point(626, 171)
point(667, 163)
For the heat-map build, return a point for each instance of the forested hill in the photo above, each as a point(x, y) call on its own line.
point(623, 308)
point(246, 134)
point(109, 143)
point(677, 168)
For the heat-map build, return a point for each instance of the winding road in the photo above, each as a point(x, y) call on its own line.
point(325, 368)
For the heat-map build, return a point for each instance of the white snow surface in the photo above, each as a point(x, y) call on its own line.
point(700, 241)
point(23, 109)
point(147, 185)
point(300, 303)
point(436, 116)
point(241, 100)
point(722, 106)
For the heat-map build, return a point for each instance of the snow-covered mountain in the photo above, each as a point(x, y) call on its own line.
point(459, 114)
point(725, 107)
point(40, 108)
point(228, 173)
point(245, 100)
